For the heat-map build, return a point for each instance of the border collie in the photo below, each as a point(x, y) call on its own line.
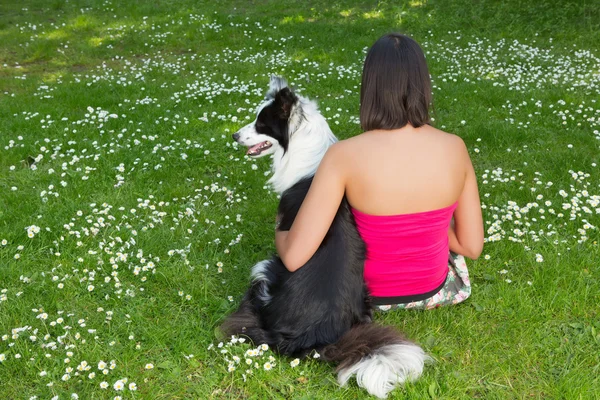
point(323, 306)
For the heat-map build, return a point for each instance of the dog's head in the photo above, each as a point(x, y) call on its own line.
point(271, 129)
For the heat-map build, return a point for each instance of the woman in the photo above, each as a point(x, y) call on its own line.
point(404, 180)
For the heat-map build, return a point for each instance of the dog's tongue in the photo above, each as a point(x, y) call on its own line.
point(254, 148)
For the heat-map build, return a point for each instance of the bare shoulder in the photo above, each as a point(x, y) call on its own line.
point(454, 143)
point(351, 141)
point(450, 138)
point(339, 156)
point(343, 147)
point(358, 143)
point(335, 153)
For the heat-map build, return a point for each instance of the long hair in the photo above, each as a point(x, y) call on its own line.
point(396, 87)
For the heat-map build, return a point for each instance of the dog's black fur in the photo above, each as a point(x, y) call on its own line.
point(321, 301)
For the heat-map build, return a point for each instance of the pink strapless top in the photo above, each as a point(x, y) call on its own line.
point(407, 254)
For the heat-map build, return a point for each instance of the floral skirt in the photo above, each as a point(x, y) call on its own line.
point(456, 289)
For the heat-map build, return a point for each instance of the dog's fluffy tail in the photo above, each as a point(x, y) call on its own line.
point(379, 356)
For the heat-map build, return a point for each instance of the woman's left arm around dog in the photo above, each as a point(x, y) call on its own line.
point(296, 246)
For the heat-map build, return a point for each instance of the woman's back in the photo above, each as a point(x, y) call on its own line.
point(404, 171)
point(400, 166)
point(404, 188)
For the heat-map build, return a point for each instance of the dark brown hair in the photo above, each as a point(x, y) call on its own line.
point(396, 87)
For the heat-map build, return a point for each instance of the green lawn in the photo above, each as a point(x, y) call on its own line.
point(116, 158)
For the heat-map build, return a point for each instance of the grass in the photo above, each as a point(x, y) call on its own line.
point(139, 210)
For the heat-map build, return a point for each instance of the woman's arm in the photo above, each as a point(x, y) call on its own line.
point(457, 248)
point(466, 234)
point(299, 244)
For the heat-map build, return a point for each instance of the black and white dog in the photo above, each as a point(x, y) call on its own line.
point(324, 305)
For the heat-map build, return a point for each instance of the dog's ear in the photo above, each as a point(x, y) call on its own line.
point(284, 100)
point(276, 84)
